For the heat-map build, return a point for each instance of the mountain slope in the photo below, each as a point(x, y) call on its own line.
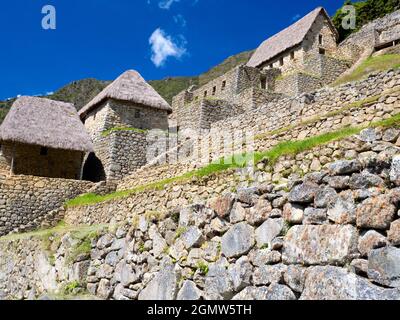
point(82, 91)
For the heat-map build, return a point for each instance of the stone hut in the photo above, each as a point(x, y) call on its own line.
point(118, 120)
point(299, 59)
point(304, 53)
point(45, 138)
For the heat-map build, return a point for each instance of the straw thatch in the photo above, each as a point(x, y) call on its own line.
point(287, 38)
point(130, 86)
point(45, 123)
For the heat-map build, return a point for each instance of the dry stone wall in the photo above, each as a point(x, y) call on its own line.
point(278, 114)
point(27, 202)
point(358, 115)
point(328, 235)
point(122, 152)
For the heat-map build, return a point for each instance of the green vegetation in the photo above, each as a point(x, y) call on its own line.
point(366, 11)
point(238, 161)
point(116, 129)
point(225, 66)
point(370, 65)
point(202, 267)
point(315, 119)
point(71, 288)
point(180, 232)
point(286, 227)
point(170, 87)
point(79, 92)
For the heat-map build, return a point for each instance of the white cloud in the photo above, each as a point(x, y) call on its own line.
point(166, 4)
point(180, 19)
point(163, 47)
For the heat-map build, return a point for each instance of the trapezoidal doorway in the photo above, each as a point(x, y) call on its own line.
point(93, 170)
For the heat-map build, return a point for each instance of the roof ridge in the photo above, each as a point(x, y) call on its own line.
point(137, 90)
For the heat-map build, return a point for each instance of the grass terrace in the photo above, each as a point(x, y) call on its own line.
point(371, 65)
point(117, 129)
point(238, 161)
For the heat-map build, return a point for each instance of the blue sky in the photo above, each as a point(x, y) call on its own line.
point(159, 38)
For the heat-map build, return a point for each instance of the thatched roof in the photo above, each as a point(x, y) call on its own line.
point(130, 86)
point(46, 123)
point(287, 38)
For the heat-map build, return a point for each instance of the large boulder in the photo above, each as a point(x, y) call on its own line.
point(189, 292)
point(164, 286)
point(324, 244)
point(218, 283)
point(343, 209)
point(365, 180)
point(394, 233)
point(395, 171)
point(251, 294)
point(192, 237)
point(238, 240)
point(293, 213)
point(369, 135)
point(333, 283)
point(304, 193)
point(279, 292)
point(376, 213)
point(384, 266)
point(344, 167)
point(325, 196)
point(370, 241)
point(223, 205)
point(268, 231)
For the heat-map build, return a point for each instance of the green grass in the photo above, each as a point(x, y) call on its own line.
point(238, 161)
point(371, 65)
point(79, 232)
point(357, 104)
point(117, 129)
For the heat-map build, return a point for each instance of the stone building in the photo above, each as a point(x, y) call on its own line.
point(118, 120)
point(45, 138)
point(299, 59)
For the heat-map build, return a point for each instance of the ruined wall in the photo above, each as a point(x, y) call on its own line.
point(370, 35)
point(327, 68)
point(297, 83)
point(25, 201)
point(55, 163)
point(192, 109)
point(284, 112)
point(329, 235)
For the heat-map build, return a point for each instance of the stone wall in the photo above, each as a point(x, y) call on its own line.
point(294, 59)
point(331, 234)
point(190, 107)
point(284, 112)
point(122, 151)
point(26, 201)
point(299, 118)
point(327, 68)
point(295, 84)
point(43, 162)
point(369, 35)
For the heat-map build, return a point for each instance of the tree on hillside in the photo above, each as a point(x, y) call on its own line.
point(366, 11)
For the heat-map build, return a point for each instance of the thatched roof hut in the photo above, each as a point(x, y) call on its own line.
point(288, 38)
point(131, 87)
point(46, 123)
